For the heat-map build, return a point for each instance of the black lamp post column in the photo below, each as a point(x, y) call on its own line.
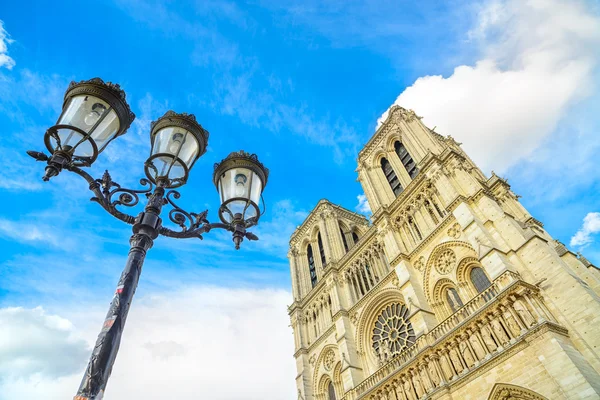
point(145, 230)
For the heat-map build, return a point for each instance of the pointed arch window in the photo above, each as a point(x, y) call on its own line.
point(453, 299)
point(311, 266)
point(406, 159)
point(321, 250)
point(391, 177)
point(344, 240)
point(479, 279)
point(354, 237)
point(331, 391)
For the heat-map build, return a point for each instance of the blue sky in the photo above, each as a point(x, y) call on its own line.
point(303, 86)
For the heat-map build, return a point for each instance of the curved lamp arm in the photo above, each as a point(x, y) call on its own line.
point(192, 225)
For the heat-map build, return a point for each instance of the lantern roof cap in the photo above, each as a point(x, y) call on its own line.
point(241, 159)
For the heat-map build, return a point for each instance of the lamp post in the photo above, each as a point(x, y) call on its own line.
point(94, 114)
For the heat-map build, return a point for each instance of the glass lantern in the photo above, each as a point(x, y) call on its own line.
point(177, 142)
point(240, 180)
point(94, 113)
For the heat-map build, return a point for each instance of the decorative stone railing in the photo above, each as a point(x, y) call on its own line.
point(485, 327)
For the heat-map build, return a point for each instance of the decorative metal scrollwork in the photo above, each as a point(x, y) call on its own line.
point(110, 195)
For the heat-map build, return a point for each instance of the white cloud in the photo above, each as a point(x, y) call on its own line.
point(32, 232)
point(363, 204)
point(590, 226)
point(274, 234)
point(5, 60)
point(539, 58)
point(223, 343)
point(35, 343)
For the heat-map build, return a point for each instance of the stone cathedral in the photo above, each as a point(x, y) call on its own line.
point(452, 290)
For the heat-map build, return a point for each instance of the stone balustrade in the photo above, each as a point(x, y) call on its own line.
point(484, 328)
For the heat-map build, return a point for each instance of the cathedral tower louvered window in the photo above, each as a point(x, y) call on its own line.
point(311, 266)
point(407, 161)
point(391, 177)
point(355, 237)
point(321, 250)
point(344, 240)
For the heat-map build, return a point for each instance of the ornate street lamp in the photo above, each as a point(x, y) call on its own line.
point(95, 113)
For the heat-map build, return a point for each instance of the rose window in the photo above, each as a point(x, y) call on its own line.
point(393, 331)
point(445, 262)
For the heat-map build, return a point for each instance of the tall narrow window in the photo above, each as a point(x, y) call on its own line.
point(311, 266)
point(331, 391)
point(344, 240)
point(479, 279)
point(354, 237)
point(391, 177)
point(430, 211)
point(321, 250)
point(413, 224)
point(407, 161)
point(453, 299)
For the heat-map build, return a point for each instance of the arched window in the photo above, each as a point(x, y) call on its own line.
point(391, 177)
point(311, 266)
point(453, 299)
point(413, 224)
point(321, 250)
point(344, 240)
point(430, 211)
point(479, 279)
point(331, 391)
point(407, 161)
point(354, 237)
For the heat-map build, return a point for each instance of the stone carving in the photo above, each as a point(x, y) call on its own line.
point(445, 262)
point(466, 354)
point(514, 328)
point(489, 341)
point(433, 374)
point(328, 360)
point(454, 231)
point(523, 313)
point(420, 263)
point(455, 358)
point(477, 347)
point(499, 331)
point(312, 359)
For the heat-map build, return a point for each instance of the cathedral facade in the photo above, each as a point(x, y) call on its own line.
point(452, 290)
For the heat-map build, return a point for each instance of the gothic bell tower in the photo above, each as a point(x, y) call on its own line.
point(451, 290)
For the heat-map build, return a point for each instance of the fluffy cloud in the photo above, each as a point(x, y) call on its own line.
point(218, 342)
point(34, 343)
point(591, 225)
point(538, 58)
point(363, 204)
point(5, 60)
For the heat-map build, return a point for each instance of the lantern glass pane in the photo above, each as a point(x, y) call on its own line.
point(256, 190)
point(242, 184)
point(84, 112)
point(106, 130)
point(178, 147)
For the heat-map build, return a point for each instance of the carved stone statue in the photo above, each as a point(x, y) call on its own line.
point(433, 374)
point(514, 328)
point(408, 389)
point(489, 341)
point(524, 313)
point(425, 379)
point(480, 352)
point(466, 353)
point(418, 385)
point(499, 331)
point(446, 367)
point(455, 358)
